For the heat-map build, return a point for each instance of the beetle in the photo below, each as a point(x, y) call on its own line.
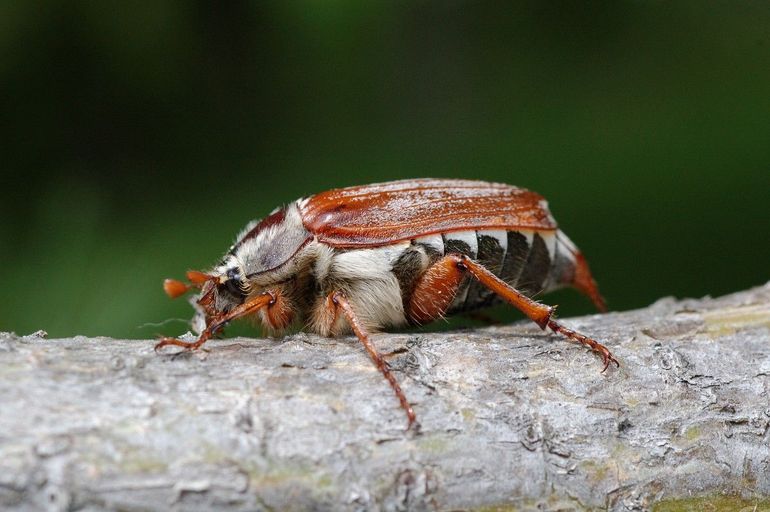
point(366, 258)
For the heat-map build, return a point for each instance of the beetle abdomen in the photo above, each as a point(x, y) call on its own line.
point(531, 261)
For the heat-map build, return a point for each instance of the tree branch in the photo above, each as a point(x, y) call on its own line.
point(510, 416)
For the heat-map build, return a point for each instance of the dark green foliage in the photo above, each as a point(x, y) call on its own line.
point(137, 140)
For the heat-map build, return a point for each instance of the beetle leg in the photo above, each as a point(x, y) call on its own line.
point(537, 312)
point(279, 313)
point(436, 288)
point(262, 300)
point(594, 345)
point(340, 303)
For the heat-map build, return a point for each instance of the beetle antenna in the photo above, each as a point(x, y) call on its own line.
point(197, 278)
point(175, 288)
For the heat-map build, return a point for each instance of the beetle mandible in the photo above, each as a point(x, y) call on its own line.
point(385, 255)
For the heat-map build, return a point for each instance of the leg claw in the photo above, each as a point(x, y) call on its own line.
point(608, 358)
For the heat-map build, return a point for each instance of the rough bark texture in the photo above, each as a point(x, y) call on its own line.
point(511, 417)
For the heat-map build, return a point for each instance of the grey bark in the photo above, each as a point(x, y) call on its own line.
point(511, 417)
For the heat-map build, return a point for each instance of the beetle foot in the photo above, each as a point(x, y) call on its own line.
point(607, 356)
point(186, 346)
point(594, 345)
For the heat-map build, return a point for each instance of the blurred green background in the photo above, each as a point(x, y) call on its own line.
point(138, 139)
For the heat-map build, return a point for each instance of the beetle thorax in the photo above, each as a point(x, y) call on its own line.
point(266, 248)
point(276, 251)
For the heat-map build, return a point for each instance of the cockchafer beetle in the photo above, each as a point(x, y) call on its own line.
point(391, 254)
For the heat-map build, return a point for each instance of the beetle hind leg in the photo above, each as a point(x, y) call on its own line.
point(436, 288)
point(434, 291)
point(594, 345)
point(539, 313)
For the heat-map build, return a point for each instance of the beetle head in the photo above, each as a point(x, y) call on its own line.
point(220, 291)
point(267, 255)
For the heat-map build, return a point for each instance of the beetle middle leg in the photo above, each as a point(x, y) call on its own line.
point(253, 305)
point(436, 288)
point(340, 304)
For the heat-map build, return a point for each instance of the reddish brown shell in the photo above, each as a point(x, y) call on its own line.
point(384, 213)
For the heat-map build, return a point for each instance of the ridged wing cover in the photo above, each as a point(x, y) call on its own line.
point(384, 213)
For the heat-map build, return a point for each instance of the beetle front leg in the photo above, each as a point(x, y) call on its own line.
point(340, 303)
point(253, 305)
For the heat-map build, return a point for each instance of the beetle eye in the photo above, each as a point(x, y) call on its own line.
point(234, 284)
point(234, 287)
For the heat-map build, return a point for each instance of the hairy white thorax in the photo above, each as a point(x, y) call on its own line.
point(365, 276)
